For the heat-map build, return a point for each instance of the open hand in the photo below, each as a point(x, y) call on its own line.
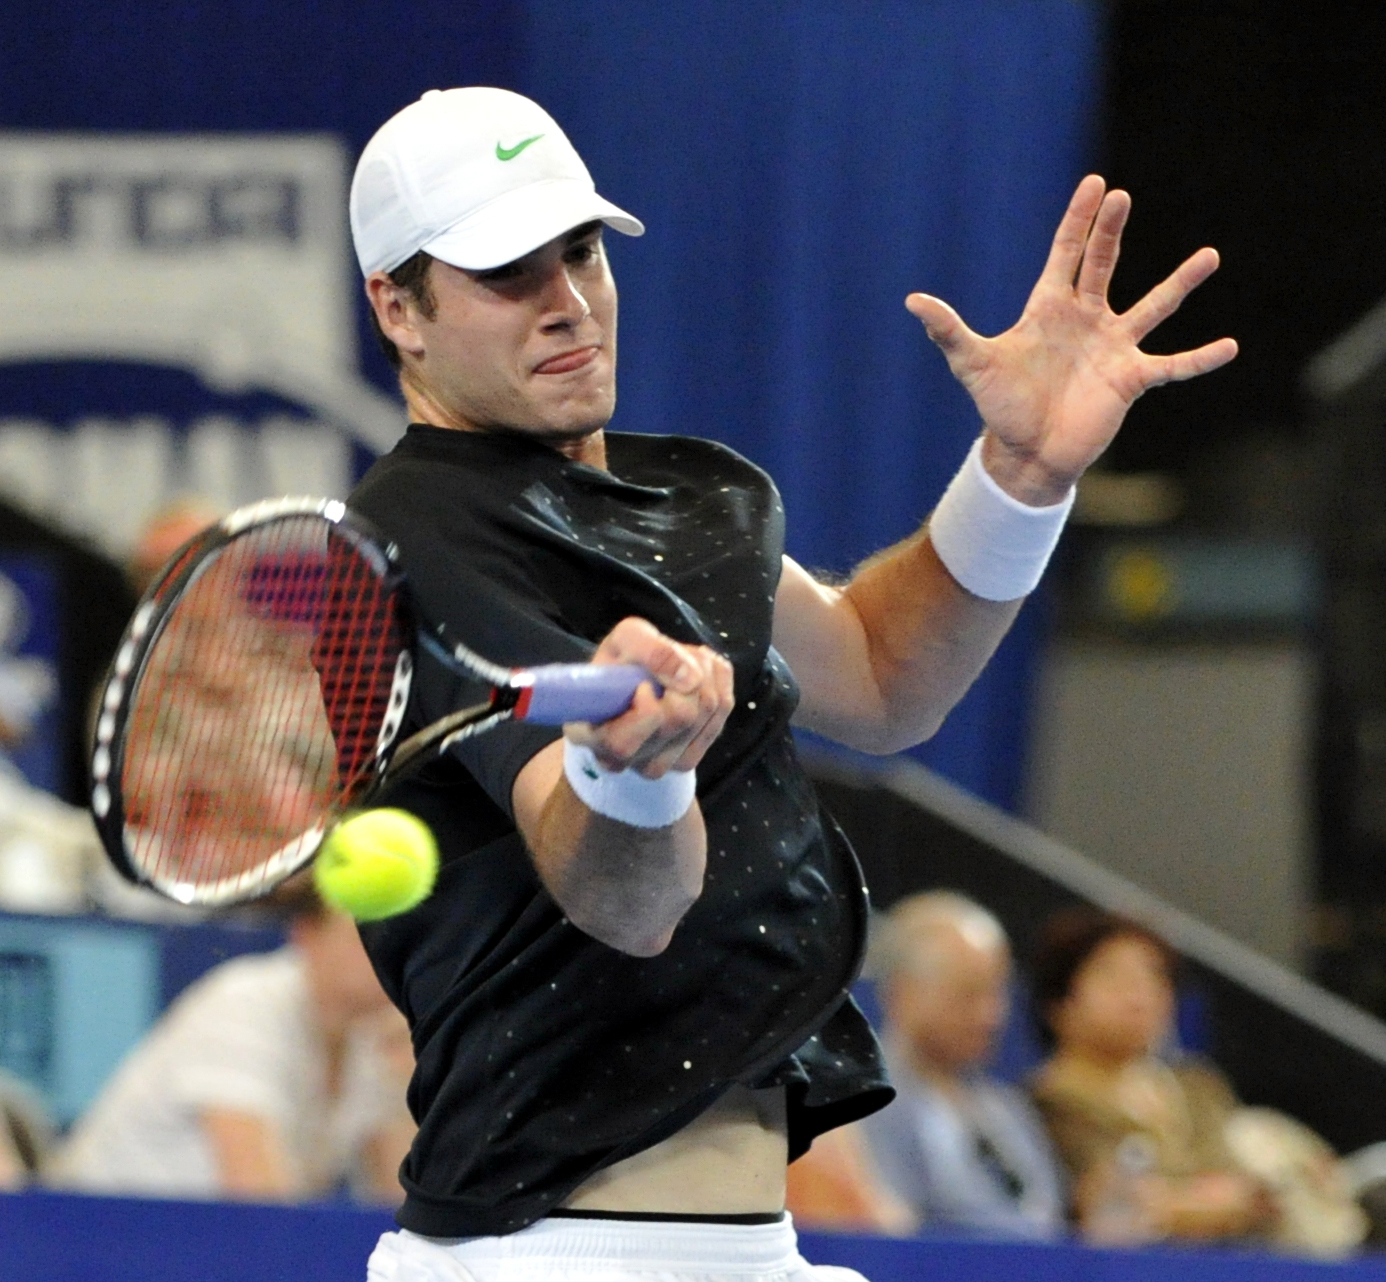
point(1053, 389)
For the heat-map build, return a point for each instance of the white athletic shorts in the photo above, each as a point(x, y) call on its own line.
point(605, 1251)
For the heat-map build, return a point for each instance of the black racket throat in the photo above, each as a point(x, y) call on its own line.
point(427, 745)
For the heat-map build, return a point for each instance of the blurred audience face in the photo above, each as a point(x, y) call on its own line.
point(165, 533)
point(1120, 1003)
point(946, 997)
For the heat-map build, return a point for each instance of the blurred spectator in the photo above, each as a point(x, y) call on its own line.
point(165, 532)
point(962, 1150)
point(835, 1188)
point(275, 1077)
point(47, 849)
point(1158, 1149)
point(162, 535)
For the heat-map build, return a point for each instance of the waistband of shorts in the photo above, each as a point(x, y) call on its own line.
point(667, 1245)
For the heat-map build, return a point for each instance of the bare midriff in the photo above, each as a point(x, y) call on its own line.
point(729, 1160)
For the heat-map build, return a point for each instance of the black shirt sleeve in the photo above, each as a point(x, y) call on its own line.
point(465, 588)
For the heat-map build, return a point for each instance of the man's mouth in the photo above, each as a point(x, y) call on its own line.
point(566, 362)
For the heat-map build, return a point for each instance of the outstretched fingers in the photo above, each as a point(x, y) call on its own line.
point(1185, 365)
point(1103, 246)
point(946, 328)
point(1168, 296)
point(1071, 238)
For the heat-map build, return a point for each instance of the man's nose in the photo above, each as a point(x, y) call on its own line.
point(563, 301)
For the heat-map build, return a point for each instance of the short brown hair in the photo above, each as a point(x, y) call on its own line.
point(412, 277)
point(1066, 942)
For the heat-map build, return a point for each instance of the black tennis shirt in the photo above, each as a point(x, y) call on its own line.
point(542, 1054)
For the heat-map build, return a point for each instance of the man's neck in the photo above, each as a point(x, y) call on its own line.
point(586, 447)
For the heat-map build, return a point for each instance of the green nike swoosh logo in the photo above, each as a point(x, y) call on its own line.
point(509, 153)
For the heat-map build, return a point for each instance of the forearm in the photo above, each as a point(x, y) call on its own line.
point(926, 638)
point(626, 886)
point(883, 660)
point(609, 811)
point(250, 1156)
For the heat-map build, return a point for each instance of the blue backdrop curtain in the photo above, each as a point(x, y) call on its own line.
point(801, 167)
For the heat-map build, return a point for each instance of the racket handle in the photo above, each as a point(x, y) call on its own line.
point(580, 692)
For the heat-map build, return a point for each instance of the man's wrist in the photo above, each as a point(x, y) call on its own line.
point(624, 795)
point(992, 544)
point(1022, 476)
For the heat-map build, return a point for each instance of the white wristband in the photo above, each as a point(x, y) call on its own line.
point(625, 795)
point(993, 544)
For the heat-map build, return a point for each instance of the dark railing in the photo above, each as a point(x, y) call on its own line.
point(1285, 1042)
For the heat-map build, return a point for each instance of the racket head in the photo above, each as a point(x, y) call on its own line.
point(255, 697)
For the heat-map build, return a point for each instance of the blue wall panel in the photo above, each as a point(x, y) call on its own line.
point(54, 1238)
point(77, 996)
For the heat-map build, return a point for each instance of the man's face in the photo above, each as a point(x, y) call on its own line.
point(527, 347)
point(948, 1002)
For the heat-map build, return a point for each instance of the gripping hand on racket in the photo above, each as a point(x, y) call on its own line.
point(626, 884)
point(1054, 388)
point(660, 733)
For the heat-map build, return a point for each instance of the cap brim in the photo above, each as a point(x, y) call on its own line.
point(518, 222)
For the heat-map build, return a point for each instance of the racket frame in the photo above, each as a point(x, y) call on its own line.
point(392, 760)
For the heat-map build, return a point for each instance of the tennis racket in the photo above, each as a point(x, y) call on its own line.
point(258, 695)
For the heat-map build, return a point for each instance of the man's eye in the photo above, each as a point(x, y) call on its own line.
point(579, 254)
point(507, 271)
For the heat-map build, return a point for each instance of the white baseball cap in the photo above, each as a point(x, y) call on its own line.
point(476, 177)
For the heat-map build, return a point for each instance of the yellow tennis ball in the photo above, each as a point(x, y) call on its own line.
point(377, 864)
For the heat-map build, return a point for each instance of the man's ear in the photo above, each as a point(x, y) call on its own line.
point(396, 312)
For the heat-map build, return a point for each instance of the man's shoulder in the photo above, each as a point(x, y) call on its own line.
point(691, 451)
point(702, 471)
point(425, 490)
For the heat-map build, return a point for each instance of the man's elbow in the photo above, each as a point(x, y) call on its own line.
point(900, 736)
point(877, 734)
point(635, 939)
point(635, 932)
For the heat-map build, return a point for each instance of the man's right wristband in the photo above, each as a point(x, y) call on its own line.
point(624, 795)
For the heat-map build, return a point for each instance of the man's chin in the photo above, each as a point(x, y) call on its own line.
point(570, 421)
point(567, 434)
point(557, 435)
point(574, 422)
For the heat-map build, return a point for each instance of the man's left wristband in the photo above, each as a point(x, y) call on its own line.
point(624, 795)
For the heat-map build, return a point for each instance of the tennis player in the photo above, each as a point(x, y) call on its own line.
point(629, 992)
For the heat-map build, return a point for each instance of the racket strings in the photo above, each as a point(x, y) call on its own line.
point(258, 715)
point(358, 645)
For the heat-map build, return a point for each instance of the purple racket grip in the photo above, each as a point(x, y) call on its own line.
point(580, 692)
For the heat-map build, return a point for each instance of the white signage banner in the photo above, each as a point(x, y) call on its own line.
point(225, 257)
